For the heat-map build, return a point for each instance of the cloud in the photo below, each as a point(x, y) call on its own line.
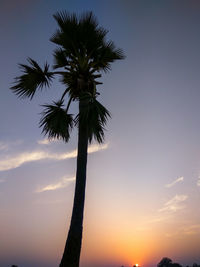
point(158, 219)
point(64, 182)
point(193, 229)
point(14, 162)
point(198, 182)
point(18, 160)
point(43, 142)
point(174, 204)
point(150, 222)
point(95, 148)
point(2, 180)
point(46, 141)
point(180, 179)
point(5, 146)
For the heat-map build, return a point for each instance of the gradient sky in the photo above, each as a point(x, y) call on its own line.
point(143, 187)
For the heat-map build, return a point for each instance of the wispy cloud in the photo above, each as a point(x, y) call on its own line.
point(43, 142)
point(64, 182)
point(150, 222)
point(46, 141)
point(5, 146)
point(158, 219)
point(18, 160)
point(174, 204)
point(198, 182)
point(95, 148)
point(192, 229)
point(2, 180)
point(178, 180)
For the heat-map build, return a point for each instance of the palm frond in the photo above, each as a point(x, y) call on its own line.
point(34, 77)
point(65, 19)
point(55, 121)
point(60, 59)
point(67, 35)
point(91, 35)
point(88, 20)
point(93, 115)
point(78, 35)
point(105, 55)
point(82, 40)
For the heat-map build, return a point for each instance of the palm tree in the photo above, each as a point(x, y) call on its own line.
point(82, 54)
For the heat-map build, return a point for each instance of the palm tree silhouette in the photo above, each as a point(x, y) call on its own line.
point(82, 54)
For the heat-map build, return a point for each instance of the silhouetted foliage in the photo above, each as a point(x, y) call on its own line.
point(175, 264)
point(167, 262)
point(82, 54)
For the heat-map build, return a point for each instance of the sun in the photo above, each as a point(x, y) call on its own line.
point(136, 265)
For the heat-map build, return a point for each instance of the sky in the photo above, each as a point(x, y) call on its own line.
point(143, 183)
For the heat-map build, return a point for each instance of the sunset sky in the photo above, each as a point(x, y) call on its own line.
point(143, 183)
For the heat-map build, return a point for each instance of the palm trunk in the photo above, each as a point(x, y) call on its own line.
point(71, 255)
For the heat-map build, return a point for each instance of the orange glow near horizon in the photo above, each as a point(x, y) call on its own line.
point(124, 245)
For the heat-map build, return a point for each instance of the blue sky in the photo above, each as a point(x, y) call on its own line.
point(143, 185)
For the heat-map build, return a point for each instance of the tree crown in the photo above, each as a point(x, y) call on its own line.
point(81, 55)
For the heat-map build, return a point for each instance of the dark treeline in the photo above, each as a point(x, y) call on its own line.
point(165, 262)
